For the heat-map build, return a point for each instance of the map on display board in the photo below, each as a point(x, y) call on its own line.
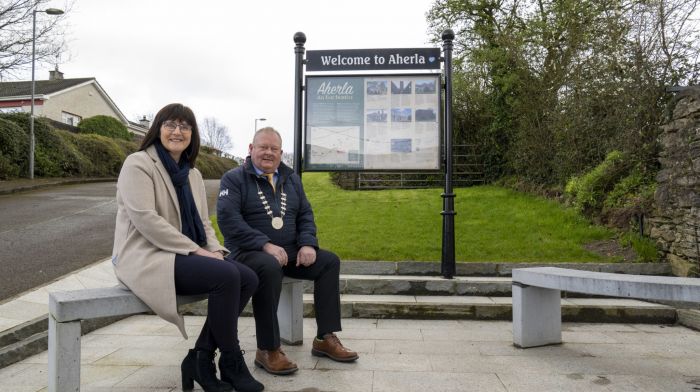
point(372, 122)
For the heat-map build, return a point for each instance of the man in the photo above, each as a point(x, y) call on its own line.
point(268, 225)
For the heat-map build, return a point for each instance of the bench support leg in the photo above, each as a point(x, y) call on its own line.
point(64, 355)
point(290, 312)
point(536, 316)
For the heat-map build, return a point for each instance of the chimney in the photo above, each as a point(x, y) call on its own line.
point(55, 75)
point(144, 122)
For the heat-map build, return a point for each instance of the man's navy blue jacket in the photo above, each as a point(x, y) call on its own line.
point(245, 224)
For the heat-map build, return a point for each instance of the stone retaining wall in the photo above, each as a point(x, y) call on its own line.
point(676, 221)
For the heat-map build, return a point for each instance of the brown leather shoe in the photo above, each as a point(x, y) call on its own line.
point(331, 347)
point(275, 362)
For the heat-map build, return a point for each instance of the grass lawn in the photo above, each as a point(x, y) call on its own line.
point(492, 224)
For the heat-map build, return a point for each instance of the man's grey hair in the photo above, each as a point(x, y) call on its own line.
point(267, 130)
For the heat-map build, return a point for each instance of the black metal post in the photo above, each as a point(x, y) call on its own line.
point(299, 39)
point(448, 213)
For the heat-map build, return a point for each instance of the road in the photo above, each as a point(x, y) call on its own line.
point(48, 233)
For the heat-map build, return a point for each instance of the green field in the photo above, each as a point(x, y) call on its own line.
point(492, 224)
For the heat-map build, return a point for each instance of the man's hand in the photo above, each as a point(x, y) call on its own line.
point(277, 252)
point(206, 253)
point(306, 256)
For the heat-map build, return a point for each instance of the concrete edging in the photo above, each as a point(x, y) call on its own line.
point(51, 183)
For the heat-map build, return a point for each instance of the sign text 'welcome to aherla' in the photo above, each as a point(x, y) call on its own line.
point(372, 59)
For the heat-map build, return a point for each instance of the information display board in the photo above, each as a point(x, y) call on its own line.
point(372, 122)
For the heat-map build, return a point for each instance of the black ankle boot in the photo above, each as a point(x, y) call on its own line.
point(199, 366)
point(235, 372)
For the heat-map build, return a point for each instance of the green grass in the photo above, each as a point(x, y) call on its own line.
point(645, 247)
point(492, 224)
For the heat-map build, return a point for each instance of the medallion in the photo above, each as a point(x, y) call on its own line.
point(277, 221)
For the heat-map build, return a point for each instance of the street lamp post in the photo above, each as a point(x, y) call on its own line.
point(50, 11)
point(256, 123)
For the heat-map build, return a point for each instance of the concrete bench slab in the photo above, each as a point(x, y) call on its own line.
point(68, 308)
point(537, 297)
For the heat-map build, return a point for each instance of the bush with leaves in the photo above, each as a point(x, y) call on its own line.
point(14, 150)
point(588, 192)
point(105, 155)
point(105, 126)
point(212, 166)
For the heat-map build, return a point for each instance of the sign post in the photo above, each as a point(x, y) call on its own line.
point(448, 214)
point(299, 40)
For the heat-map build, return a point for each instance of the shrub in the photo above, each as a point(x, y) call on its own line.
point(630, 190)
point(589, 191)
point(126, 146)
point(14, 150)
point(105, 126)
point(105, 155)
point(58, 156)
point(213, 167)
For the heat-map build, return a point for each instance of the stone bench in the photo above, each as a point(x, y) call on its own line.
point(68, 308)
point(537, 298)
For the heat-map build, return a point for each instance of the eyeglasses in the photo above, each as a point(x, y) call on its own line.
point(265, 147)
point(172, 125)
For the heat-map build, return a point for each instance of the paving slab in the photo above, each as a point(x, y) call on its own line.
point(392, 381)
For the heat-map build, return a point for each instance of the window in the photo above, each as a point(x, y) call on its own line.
point(11, 109)
point(70, 119)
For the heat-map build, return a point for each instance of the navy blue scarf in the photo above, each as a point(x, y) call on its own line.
point(191, 222)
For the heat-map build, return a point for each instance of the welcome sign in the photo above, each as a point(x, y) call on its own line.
point(373, 59)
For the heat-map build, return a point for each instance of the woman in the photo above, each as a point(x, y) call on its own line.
point(164, 245)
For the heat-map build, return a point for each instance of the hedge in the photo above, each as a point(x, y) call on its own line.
point(60, 153)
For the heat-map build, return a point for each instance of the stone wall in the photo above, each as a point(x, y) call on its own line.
point(676, 221)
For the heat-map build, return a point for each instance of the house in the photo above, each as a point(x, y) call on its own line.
point(67, 101)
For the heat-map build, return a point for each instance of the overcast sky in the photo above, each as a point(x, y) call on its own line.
point(232, 60)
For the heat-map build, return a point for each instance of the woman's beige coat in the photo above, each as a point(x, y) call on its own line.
point(148, 231)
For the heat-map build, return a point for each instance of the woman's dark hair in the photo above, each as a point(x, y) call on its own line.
point(175, 112)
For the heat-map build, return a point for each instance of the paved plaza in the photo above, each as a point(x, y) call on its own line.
point(143, 353)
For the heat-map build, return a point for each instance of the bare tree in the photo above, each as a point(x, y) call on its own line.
point(215, 134)
point(16, 36)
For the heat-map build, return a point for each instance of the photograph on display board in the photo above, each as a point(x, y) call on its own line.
point(401, 87)
point(377, 115)
point(377, 87)
point(400, 145)
point(425, 87)
point(426, 115)
point(401, 115)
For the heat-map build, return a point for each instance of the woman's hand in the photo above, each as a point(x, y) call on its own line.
point(206, 253)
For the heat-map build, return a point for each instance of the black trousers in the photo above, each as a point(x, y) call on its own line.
point(325, 273)
point(229, 284)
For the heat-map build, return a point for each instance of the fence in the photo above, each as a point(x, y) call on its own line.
point(468, 170)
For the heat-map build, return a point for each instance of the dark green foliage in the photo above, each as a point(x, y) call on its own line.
point(104, 156)
point(127, 147)
point(548, 88)
point(52, 156)
point(61, 153)
point(105, 126)
point(14, 150)
point(212, 166)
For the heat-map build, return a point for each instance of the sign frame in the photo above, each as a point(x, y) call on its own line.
point(312, 125)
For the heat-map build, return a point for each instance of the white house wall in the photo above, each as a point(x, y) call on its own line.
point(85, 101)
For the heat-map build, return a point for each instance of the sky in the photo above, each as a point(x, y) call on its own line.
point(231, 60)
